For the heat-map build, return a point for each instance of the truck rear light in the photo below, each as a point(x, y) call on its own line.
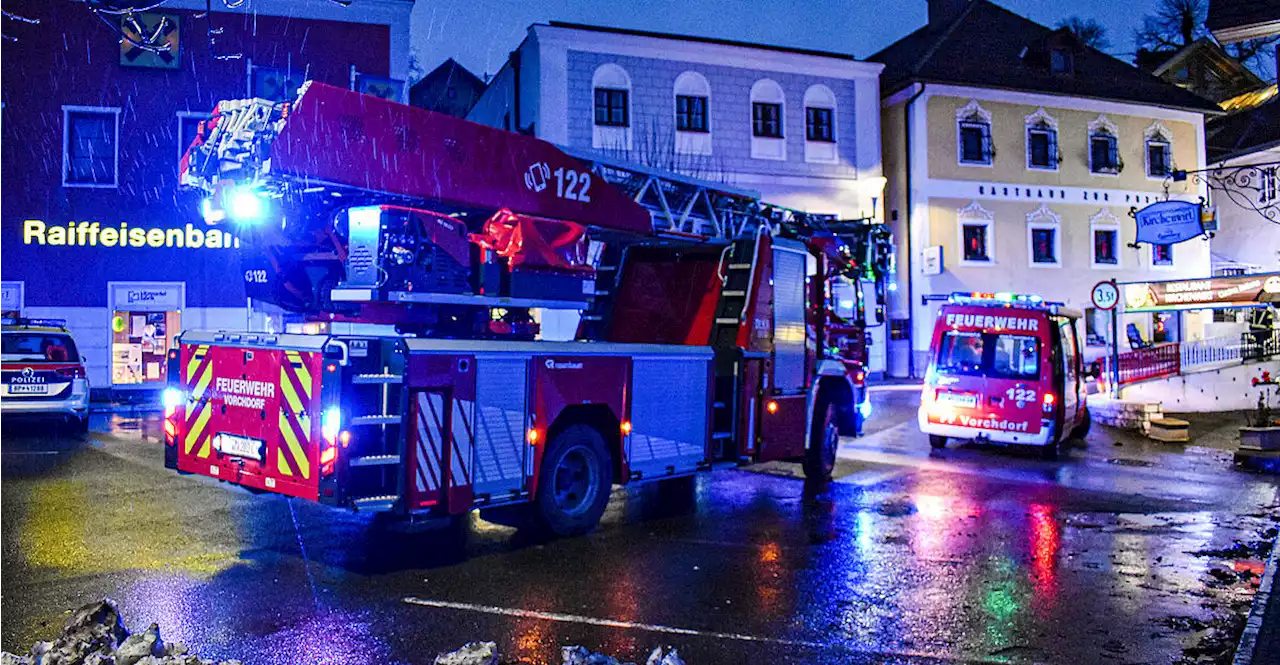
point(329, 454)
point(76, 372)
point(331, 425)
point(1049, 399)
point(171, 398)
point(860, 377)
point(625, 427)
point(771, 407)
point(532, 436)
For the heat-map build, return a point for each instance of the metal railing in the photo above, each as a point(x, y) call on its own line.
point(1145, 364)
point(1210, 351)
point(1260, 345)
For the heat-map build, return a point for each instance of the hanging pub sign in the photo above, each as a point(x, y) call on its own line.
point(1211, 293)
point(1168, 222)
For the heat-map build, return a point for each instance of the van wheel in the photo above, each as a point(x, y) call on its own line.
point(1082, 430)
point(937, 442)
point(573, 485)
point(820, 458)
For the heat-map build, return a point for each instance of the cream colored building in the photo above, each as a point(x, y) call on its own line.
point(1014, 157)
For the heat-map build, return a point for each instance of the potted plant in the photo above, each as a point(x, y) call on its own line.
point(1263, 430)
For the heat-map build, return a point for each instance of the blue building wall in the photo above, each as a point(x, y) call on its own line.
point(653, 106)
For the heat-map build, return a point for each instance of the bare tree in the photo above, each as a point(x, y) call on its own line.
point(1087, 31)
point(1177, 23)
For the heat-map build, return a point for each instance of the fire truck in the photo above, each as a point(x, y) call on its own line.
point(423, 251)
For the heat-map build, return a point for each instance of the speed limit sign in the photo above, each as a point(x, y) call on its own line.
point(1105, 295)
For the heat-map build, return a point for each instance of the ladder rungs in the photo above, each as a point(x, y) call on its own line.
point(592, 317)
point(375, 503)
point(734, 293)
point(376, 420)
point(717, 436)
point(718, 405)
point(726, 322)
point(377, 378)
point(739, 266)
point(606, 268)
point(375, 460)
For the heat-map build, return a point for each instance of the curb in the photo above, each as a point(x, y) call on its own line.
point(1249, 639)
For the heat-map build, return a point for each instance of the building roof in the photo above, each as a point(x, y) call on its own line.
point(991, 47)
point(1244, 132)
point(1203, 67)
point(1238, 20)
point(1250, 99)
point(703, 40)
point(451, 71)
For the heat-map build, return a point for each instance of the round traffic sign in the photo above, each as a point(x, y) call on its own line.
point(1105, 295)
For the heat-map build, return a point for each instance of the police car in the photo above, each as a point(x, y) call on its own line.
point(42, 373)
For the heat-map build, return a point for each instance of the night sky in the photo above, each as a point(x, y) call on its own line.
point(480, 33)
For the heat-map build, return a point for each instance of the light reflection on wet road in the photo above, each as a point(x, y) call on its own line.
point(967, 555)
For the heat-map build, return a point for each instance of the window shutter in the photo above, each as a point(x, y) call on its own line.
point(1113, 153)
point(1053, 148)
point(988, 152)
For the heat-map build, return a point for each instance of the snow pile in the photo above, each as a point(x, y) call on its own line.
point(95, 635)
point(486, 653)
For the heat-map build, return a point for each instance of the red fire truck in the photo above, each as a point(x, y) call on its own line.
point(423, 250)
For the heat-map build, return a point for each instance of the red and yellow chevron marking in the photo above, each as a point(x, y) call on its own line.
point(295, 421)
point(199, 374)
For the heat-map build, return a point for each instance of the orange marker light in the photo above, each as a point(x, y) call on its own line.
point(771, 407)
point(532, 436)
point(332, 367)
point(345, 438)
point(625, 427)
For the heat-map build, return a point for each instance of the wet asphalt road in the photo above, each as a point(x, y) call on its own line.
point(970, 555)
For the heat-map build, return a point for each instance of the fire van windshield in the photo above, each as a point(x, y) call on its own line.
point(996, 355)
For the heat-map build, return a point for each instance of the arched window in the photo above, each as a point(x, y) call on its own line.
point(611, 95)
point(768, 105)
point(693, 114)
point(976, 235)
point(1044, 240)
point(820, 124)
point(1104, 147)
point(1042, 141)
point(973, 135)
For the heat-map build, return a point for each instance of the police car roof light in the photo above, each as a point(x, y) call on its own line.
point(41, 323)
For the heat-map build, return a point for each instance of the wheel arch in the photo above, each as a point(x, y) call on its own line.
point(600, 418)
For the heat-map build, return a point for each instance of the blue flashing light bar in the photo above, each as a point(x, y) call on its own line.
point(1003, 298)
point(41, 323)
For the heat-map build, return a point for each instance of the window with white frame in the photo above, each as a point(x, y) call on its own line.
point(693, 109)
point(1162, 256)
point(1159, 151)
point(1044, 247)
point(611, 104)
point(1042, 141)
point(976, 240)
point(973, 135)
point(768, 110)
point(1104, 232)
point(90, 146)
point(1104, 147)
point(819, 125)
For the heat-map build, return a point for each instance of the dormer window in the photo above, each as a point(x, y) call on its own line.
point(1062, 61)
point(973, 135)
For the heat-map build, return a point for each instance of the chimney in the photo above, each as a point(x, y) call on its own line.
point(942, 12)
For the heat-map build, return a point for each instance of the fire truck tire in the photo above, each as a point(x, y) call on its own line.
point(574, 483)
point(820, 458)
point(937, 442)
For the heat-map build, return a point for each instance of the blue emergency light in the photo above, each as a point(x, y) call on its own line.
point(38, 323)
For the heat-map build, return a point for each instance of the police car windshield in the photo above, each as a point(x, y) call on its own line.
point(1000, 356)
point(40, 347)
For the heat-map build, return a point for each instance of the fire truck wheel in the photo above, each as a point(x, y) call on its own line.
point(573, 486)
point(937, 442)
point(820, 458)
point(1082, 430)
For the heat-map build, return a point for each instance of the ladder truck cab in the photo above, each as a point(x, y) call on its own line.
point(423, 250)
point(1006, 368)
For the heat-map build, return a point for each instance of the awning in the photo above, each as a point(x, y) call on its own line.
point(1210, 293)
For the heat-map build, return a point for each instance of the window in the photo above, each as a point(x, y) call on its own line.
point(1103, 154)
point(188, 127)
point(1095, 327)
point(975, 235)
point(767, 113)
point(49, 347)
point(1104, 147)
point(973, 135)
point(1062, 61)
point(1159, 163)
point(817, 125)
point(1042, 149)
point(1268, 185)
point(766, 120)
point(1104, 247)
point(1162, 255)
point(1044, 246)
point(612, 108)
point(975, 142)
point(995, 355)
point(691, 113)
point(90, 144)
point(975, 242)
